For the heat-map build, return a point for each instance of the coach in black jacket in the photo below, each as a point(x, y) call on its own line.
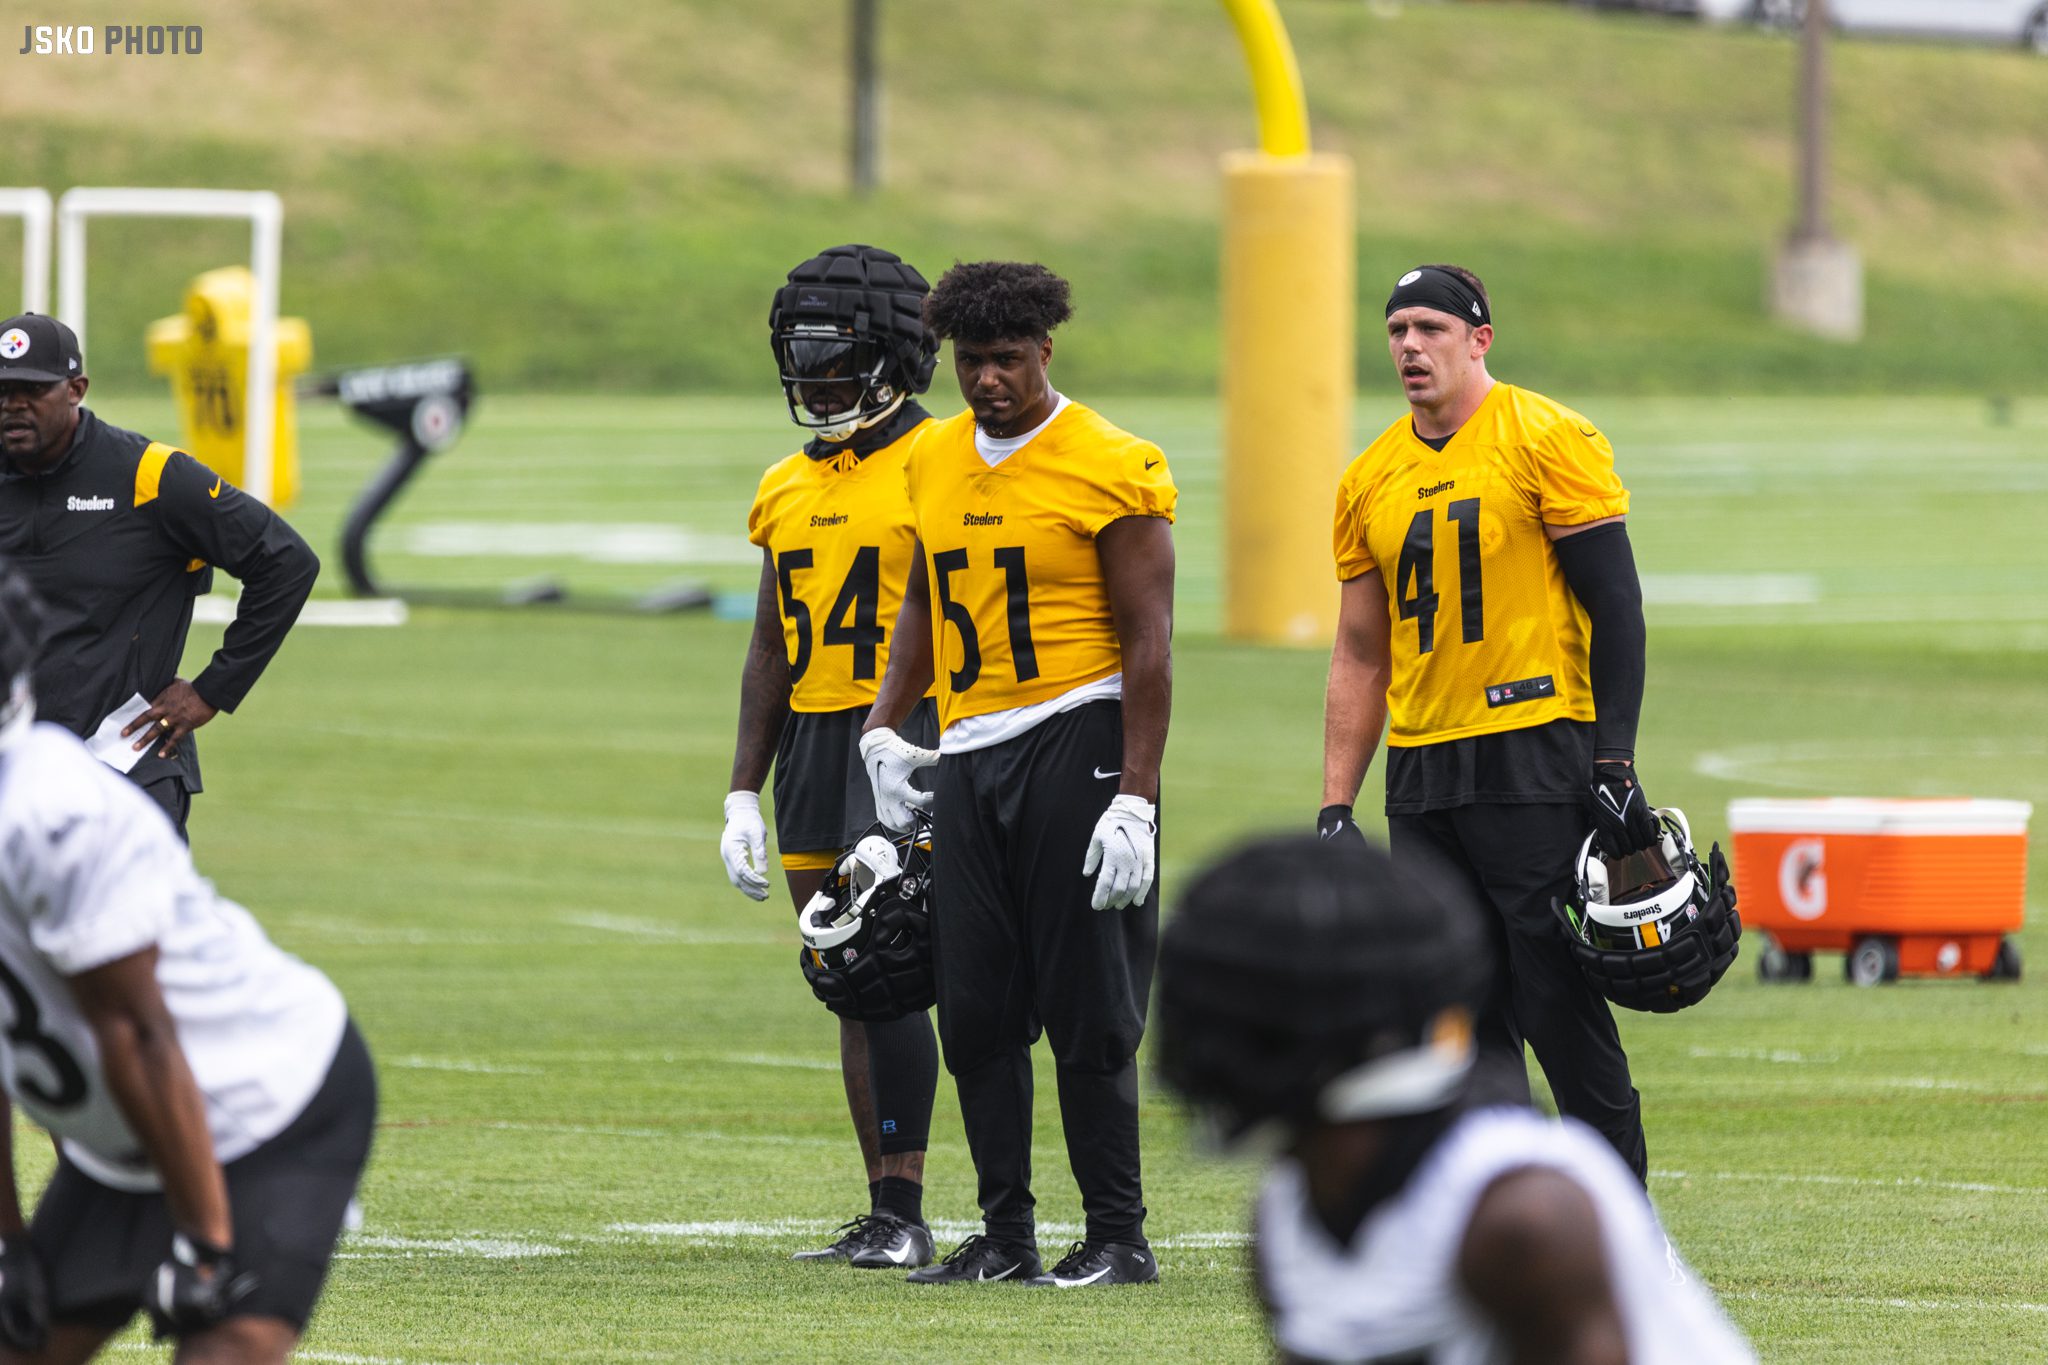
point(119, 534)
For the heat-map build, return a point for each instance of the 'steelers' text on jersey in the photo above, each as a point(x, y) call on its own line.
point(91, 872)
point(1020, 611)
point(1393, 1294)
point(1487, 636)
point(838, 529)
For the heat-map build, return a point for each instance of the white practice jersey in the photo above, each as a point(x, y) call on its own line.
point(91, 871)
point(1394, 1295)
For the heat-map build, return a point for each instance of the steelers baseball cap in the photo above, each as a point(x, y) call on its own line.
point(38, 349)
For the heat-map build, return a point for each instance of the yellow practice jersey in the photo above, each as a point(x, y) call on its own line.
point(1020, 613)
point(1486, 635)
point(839, 531)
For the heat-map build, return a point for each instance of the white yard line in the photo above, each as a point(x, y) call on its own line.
point(591, 541)
point(1765, 764)
point(460, 1064)
point(1824, 1301)
point(658, 931)
point(795, 1063)
point(216, 609)
point(1907, 1182)
point(1786, 1056)
point(365, 1246)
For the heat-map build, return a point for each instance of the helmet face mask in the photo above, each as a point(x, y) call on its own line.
point(836, 384)
point(1654, 930)
point(867, 931)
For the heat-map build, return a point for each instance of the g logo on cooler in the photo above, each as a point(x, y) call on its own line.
point(14, 344)
point(1803, 879)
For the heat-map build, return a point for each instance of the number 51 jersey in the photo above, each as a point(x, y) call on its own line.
point(1020, 611)
point(1487, 636)
point(91, 872)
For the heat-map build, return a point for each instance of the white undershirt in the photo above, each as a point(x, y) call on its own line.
point(996, 727)
point(996, 449)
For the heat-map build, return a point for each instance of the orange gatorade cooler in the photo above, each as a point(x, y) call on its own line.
point(1919, 887)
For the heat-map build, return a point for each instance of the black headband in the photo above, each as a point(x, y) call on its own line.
point(1430, 287)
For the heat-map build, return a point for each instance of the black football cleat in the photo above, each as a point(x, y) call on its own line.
point(849, 1239)
point(1102, 1263)
point(981, 1258)
point(890, 1243)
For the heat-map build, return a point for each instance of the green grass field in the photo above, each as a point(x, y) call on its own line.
point(611, 1109)
point(597, 196)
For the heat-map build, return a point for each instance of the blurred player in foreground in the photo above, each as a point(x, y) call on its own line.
point(1490, 611)
point(1317, 999)
point(1042, 596)
point(833, 523)
point(212, 1103)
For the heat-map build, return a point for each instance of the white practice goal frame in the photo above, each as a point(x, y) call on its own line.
point(33, 207)
point(265, 214)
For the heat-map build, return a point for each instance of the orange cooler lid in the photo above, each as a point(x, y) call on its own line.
point(1879, 815)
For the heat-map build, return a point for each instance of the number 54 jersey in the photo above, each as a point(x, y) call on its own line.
point(91, 872)
point(838, 530)
point(1487, 636)
point(1020, 611)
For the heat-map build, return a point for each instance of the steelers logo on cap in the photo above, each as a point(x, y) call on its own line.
point(14, 344)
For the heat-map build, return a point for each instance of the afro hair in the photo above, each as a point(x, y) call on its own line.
point(984, 301)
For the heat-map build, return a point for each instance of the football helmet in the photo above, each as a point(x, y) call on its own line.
point(1305, 980)
point(1654, 930)
point(868, 932)
point(850, 340)
point(21, 635)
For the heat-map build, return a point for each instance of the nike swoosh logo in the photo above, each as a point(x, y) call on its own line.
point(1151, 464)
point(901, 1257)
point(214, 491)
point(984, 1275)
point(1588, 431)
point(1099, 774)
point(1076, 1284)
point(63, 831)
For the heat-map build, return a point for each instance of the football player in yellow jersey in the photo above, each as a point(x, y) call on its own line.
point(836, 540)
point(1491, 622)
point(1042, 600)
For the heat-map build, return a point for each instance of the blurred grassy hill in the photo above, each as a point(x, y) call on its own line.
point(601, 196)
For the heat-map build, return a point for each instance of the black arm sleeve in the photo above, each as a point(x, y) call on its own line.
point(210, 519)
point(1601, 569)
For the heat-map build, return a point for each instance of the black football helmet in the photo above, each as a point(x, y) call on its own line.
point(868, 931)
point(1654, 930)
point(21, 636)
point(851, 318)
point(1303, 980)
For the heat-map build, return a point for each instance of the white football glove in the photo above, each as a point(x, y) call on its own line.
point(744, 845)
point(890, 760)
point(1124, 846)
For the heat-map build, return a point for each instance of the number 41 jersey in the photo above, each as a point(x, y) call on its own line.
point(838, 529)
point(1487, 636)
point(91, 872)
point(1020, 612)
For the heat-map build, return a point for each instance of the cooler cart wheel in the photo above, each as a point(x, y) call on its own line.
point(1872, 961)
point(1775, 964)
point(2006, 966)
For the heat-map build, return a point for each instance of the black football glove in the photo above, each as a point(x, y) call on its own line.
point(1334, 823)
point(24, 1296)
point(196, 1287)
point(1623, 822)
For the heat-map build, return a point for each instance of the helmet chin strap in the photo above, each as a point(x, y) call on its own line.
point(843, 425)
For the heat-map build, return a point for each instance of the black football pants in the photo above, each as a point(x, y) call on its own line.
point(1018, 948)
point(1513, 860)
